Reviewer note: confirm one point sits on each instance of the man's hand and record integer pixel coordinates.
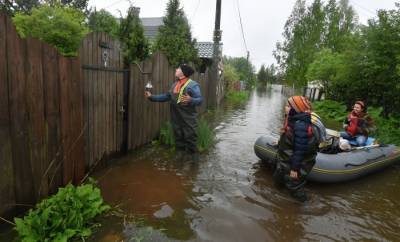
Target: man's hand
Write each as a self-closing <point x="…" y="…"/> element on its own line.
<point x="147" y="94"/>
<point x="185" y="99"/>
<point x="294" y="174"/>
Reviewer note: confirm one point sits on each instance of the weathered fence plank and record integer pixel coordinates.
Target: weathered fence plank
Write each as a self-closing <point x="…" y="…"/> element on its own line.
<point x="35" y="110"/>
<point x="52" y="115"/>
<point x="7" y="198"/>
<point x="16" y="53"/>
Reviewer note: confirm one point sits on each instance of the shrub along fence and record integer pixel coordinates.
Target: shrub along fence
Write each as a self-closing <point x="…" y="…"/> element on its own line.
<point x="59" y="116"/>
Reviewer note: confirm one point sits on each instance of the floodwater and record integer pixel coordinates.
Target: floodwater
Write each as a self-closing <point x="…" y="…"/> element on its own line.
<point x="229" y="195"/>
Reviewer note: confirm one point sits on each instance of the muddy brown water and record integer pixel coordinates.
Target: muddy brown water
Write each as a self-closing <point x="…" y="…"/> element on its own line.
<point x="229" y="195"/>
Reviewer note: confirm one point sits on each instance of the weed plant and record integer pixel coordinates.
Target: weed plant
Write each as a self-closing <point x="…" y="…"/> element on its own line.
<point x="65" y="216"/>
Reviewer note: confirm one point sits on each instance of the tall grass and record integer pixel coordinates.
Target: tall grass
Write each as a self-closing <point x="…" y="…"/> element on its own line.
<point x="167" y="134"/>
<point x="205" y="136"/>
<point x="237" y="97"/>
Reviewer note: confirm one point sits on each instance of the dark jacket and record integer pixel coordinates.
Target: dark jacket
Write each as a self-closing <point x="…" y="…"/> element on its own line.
<point x="297" y="146"/>
<point x="193" y="89"/>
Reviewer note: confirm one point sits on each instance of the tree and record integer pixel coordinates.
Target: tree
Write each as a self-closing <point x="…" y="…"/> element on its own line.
<point x="383" y="59"/>
<point x="272" y="75"/>
<point x="11" y="7"/>
<point x="103" y="21"/>
<point x="62" y="27"/>
<point x="175" y="38"/>
<point x="244" y="69"/>
<point x="262" y="75"/>
<point x="25" y="6"/>
<point x="81" y="5"/>
<point x="230" y="76"/>
<point x="341" y="21"/>
<point x="302" y="39"/>
<point x="134" y="45"/>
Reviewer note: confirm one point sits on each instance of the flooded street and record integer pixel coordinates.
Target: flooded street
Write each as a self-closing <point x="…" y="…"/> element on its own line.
<point x="230" y="196"/>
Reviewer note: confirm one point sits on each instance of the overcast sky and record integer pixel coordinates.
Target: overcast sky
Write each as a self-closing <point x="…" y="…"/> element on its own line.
<point x="263" y="21"/>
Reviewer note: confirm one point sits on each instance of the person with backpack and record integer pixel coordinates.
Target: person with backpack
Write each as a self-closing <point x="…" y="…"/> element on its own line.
<point x="298" y="146"/>
<point x="184" y="96"/>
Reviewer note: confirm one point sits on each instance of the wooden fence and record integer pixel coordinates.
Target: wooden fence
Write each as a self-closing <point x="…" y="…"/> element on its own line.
<point x="40" y="119"/>
<point x="59" y="116"/>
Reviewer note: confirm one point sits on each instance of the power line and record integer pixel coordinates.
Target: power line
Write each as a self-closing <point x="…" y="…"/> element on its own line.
<point x="195" y="11"/>
<point x="116" y="2"/>
<point x="241" y="26"/>
<point x="364" y="8"/>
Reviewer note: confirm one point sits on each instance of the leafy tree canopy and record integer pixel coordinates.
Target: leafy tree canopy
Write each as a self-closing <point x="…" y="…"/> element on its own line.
<point x="103" y="21"/>
<point x="134" y="45"/>
<point x="62" y="27"/>
<point x="175" y="38"/>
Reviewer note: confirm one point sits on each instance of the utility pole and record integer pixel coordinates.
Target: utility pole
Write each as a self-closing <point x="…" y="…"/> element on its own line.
<point x="216" y="55"/>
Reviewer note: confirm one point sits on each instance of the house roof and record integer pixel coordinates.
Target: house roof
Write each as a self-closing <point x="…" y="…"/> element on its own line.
<point x="151" y="26"/>
<point x="206" y="49"/>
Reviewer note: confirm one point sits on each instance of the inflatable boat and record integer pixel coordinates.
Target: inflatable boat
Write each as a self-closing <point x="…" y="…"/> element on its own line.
<point x="340" y="167"/>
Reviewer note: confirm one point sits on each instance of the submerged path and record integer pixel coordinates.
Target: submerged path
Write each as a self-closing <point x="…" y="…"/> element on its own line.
<point x="229" y="195"/>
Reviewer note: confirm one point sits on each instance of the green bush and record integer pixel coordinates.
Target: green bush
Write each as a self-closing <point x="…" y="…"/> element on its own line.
<point x="63" y="216"/>
<point x="205" y="136"/>
<point x="330" y="109"/>
<point x="237" y="97"/>
<point x="62" y="27"/>
<point x="333" y="113"/>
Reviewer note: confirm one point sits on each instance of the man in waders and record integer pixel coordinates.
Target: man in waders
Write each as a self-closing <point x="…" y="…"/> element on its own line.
<point x="184" y="95"/>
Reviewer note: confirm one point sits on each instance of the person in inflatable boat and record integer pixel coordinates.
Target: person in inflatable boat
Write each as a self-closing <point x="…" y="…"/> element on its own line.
<point x="298" y="146"/>
<point x="357" y="125"/>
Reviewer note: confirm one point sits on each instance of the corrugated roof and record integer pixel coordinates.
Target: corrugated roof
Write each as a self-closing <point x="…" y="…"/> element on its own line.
<point x="151" y="26"/>
<point x="206" y="49"/>
<point x="153" y="21"/>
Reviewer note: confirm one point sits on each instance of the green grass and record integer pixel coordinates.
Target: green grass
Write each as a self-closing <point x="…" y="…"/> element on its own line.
<point x="237" y="97"/>
<point x="205" y="135"/>
<point x="167" y="135"/>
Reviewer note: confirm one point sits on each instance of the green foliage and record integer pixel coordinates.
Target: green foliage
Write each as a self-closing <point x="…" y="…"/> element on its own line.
<point x="307" y="31"/>
<point x="167" y="134"/>
<point x="387" y="129"/>
<point x="103" y="21"/>
<point x="134" y="45"/>
<point x="13" y="7"/>
<point x="243" y="68"/>
<point x="80" y="5"/>
<point x="230" y="76"/>
<point x="174" y="38"/>
<point x="65" y="215"/>
<point x="26" y="6"/>
<point x="205" y="136"/>
<point x="237" y="97"/>
<point x="62" y="27"/>
<point x="330" y="109"/>
<point x="262" y="75"/>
